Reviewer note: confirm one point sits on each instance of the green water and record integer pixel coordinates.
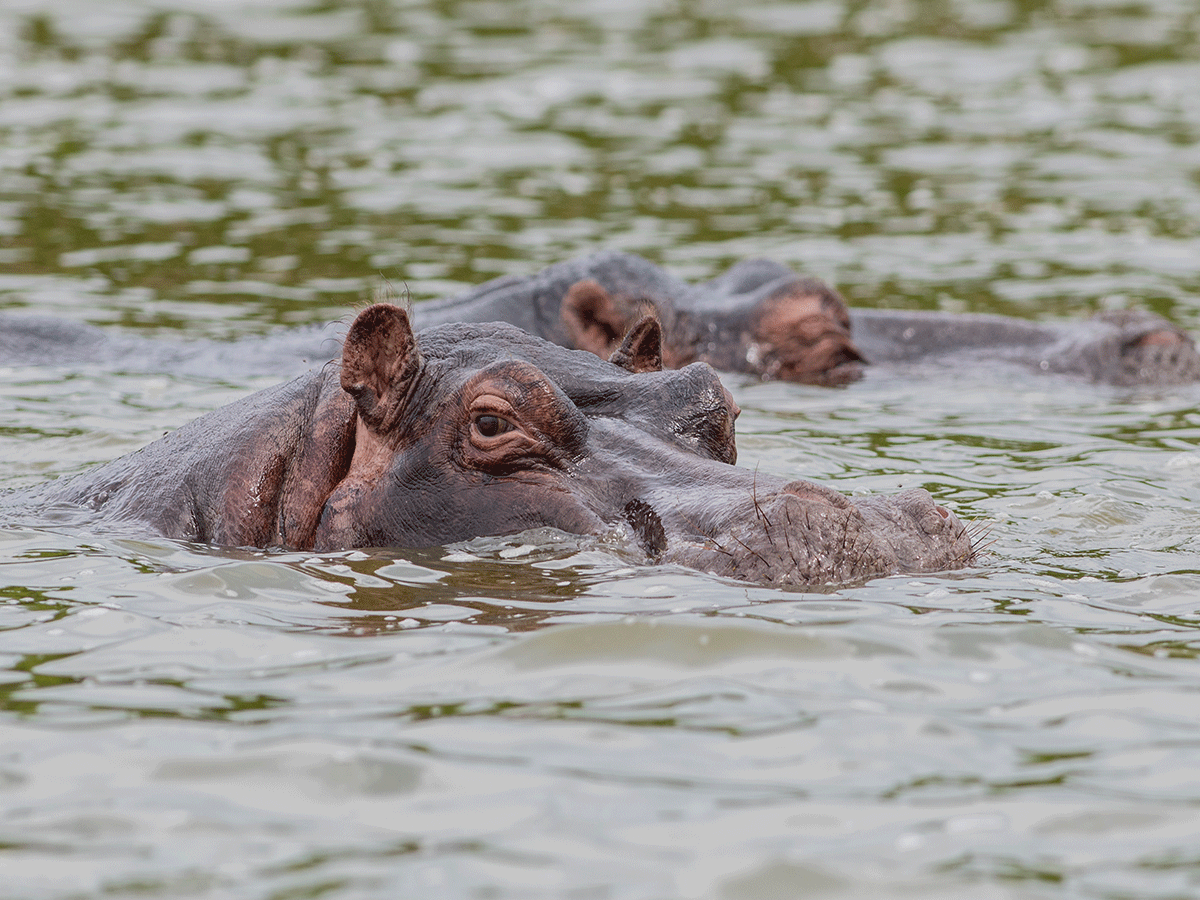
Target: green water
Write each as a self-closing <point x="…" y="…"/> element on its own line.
<point x="535" y="716"/>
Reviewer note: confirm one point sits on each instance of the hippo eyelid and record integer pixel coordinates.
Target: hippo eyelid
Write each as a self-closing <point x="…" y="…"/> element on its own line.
<point x="495" y="406"/>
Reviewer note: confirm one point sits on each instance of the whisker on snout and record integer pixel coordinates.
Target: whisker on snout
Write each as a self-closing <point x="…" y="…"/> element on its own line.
<point x="976" y="534"/>
<point x="758" y="511"/>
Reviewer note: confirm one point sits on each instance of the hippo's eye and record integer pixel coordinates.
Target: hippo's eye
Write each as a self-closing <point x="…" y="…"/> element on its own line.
<point x="490" y="426"/>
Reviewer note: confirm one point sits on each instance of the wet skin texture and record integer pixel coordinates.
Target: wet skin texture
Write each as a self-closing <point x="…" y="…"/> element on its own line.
<point x="758" y="318"/>
<point x="470" y="430"/>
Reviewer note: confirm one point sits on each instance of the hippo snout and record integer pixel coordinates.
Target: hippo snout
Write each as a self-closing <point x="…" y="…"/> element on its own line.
<point x="923" y="536"/>
<point x="804" y="533"/>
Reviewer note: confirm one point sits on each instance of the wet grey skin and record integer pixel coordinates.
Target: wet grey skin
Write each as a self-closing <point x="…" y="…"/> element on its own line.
<point x="468" y="430"/>
<point x="759" y="318"/>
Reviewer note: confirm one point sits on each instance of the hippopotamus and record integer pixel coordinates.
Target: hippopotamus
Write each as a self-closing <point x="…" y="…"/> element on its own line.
<point x="758" y="318"/>
<point x="465" y="430"/>
<point x="762" y="319"/>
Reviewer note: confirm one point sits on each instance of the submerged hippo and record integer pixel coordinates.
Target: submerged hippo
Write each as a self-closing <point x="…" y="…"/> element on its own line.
<point x="468" y="430"/>
<point x="762" y="318"/>
<point x="758" y="318"/>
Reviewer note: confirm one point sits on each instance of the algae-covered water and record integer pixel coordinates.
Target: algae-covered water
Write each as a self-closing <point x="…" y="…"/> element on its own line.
<point x="541" y="717"/>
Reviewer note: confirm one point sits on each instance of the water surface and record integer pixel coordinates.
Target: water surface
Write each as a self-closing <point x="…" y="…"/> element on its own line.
<point x="540" y="716"/>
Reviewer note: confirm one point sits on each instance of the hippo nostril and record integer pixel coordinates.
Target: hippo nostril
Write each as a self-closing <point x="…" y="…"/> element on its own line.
<point x="943" y="512"/>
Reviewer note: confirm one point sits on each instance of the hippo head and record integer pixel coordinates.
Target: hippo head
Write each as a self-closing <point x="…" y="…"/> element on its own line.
<point x="1131" y="347"/>
<point x="471" y="430"/>
<point x="776" y="326"/>
<point x="790" y="329"/>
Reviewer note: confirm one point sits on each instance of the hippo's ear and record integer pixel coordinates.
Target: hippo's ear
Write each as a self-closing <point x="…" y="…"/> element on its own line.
<point x="641" y="351"/>
<point x="379" y="362"/>
<point x="594" y="320"/>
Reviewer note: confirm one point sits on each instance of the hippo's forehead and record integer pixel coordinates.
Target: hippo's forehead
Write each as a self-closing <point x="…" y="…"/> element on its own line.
<point x="455" y="352"/>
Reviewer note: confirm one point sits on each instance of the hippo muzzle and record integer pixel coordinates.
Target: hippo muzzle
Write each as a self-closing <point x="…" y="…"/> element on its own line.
<point x="801" y="533"/>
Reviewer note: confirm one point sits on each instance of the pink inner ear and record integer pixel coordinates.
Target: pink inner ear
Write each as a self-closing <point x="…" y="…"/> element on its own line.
<point x="379" y="361"/>
<point x="588" y="300"/>
<point x="641" y="350"/>
<point x="594" y="321"/>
